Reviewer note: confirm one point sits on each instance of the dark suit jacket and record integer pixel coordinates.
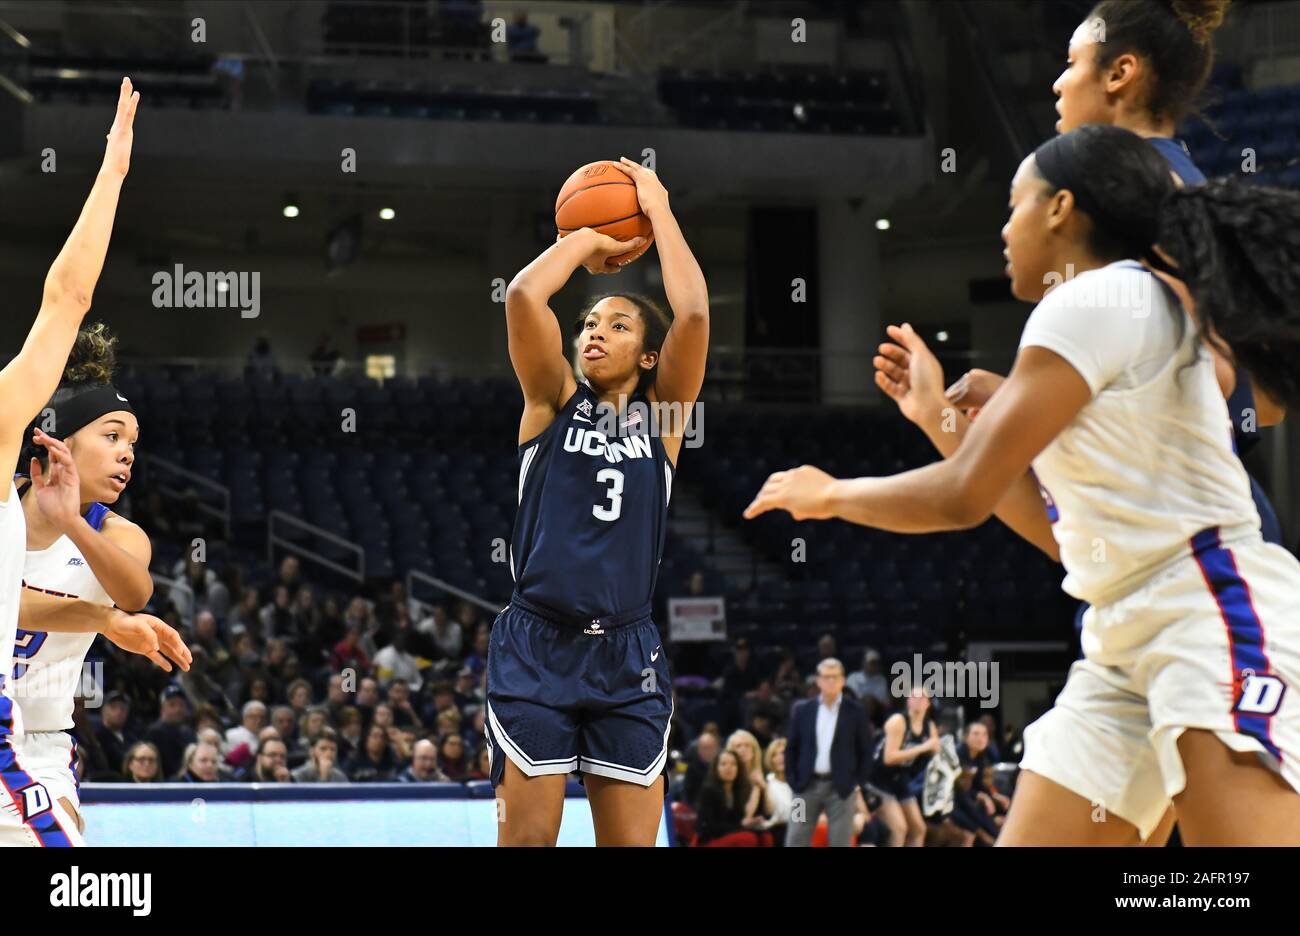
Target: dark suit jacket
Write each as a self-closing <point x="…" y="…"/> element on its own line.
<point x="850" y="750"/>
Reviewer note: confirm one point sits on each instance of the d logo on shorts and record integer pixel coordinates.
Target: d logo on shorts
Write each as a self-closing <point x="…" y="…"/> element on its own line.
<point x="1261" y="694"/>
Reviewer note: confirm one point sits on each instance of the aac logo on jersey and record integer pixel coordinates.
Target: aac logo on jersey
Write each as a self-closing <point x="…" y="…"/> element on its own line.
<point x="584" y="407"/>
<point x="76" y="560"/>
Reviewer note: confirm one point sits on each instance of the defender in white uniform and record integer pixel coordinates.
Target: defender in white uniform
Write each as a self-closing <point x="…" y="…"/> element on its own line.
<point x="1195" y="620"/>
<point x="48" y="670"/>
<point x="29" y="815"/>
<point x="1113" y="417"/>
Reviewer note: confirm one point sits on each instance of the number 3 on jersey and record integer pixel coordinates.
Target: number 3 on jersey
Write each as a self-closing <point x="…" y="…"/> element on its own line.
<point x="614" y="478"/>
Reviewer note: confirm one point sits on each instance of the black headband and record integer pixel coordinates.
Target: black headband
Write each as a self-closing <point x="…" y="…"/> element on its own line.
<point x="1060" y="163"/>
<point x="83" y="407"/>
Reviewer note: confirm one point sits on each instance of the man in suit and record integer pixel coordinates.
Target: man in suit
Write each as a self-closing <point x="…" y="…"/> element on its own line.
<point x="827" y="757"/>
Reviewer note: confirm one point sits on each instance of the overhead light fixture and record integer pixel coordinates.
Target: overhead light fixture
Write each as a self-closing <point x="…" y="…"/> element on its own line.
<point x="387" y="214"/>
<point x="290" y="211"/>
<point x="882" y="224"/>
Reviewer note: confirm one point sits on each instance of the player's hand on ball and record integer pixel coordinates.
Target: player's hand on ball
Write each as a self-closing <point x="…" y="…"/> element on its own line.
<point x="117" y="154"/>
<point x="909" y="373"/>
<point x="803" y="491"/>
<point x="974" y="389"/>
<point x="58" y="488"/>
<point x="603" y="248"/>
<point x="650" y="192"/>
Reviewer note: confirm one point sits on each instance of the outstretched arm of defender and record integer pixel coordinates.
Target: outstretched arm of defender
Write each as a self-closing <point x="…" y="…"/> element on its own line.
<point x="1039" y="400"/>
<point x="136" y="633"/>
<point x="31" y="377"/>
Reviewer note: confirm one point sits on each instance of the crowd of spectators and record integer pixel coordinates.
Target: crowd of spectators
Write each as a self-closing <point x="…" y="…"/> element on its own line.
<point x="291" y="683"/>
<point x="289" y="686"/>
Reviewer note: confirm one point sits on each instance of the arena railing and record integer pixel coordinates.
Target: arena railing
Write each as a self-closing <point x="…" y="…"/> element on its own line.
<point x="304" y="552"/>
<point x="415" y="575"/>
<point x="167" y="469"/>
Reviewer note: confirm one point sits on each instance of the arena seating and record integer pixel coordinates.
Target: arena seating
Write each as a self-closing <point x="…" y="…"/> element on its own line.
<point x="1267" y="121"/>
<point x="428" y="481"/>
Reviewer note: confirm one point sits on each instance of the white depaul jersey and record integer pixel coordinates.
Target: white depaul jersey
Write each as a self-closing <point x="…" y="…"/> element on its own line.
<point x="13" y="552"/>
<point x="49" y="666"/>
<point x="1149" y="461"/>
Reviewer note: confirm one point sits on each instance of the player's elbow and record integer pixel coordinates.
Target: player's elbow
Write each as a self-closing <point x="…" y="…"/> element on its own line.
<point x="134" y="598"/>
<point x="66" y="292"/>
<point x="520" y="298"/>
<point x="965" y="509"/>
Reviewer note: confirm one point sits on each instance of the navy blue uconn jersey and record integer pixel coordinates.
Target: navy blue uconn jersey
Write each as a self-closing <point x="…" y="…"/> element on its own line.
<point x="594" y="488"/>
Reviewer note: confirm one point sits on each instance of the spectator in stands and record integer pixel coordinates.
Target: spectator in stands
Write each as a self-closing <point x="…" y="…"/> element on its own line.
<point x="272" y="764"/>
<point x="367" y="697"/>
<point x="261" y="360"/>
<point x="114" y="732"/>
<point x="870" y="683"/>
<point x="375" y="761"/>
<point x="172" y="733"/>
<point x="787" y="683"/>
<point x="257" y="689"/>
<point x="201" y="588"/>
<point x="828" y="757"/>
<point x="276" y="615"/>
<point x="764" y="713"/>
<point x="245" y="613"/>
<point x="321" y="768"/>
<point x="778" y="796"/>
<point x="229" y="70"/>
<point x="290" y="576"/>
<point x="207" y="635"/>
<point x="482" y="769"/>
<point x="383" y="716"/>
<point x="285" y="722"/>
<point x="452" y="759"/>
<point x="313" y="723"/>
<point x="740" y="676"/>
<point x="828" y="648"/>
<point x="200" y="764"/>
<point x="399" y="700"/>
<point x="424" y="764"/>
<point x="477" y="661"/>
<point x="470" y="619"/>
<point x="977" y="759"/>
<point x="298" y="696"/>
<point x="991" y="727"/>
<point x="350" y="731"/>
<point x="348" y="653"/>
<point x="467" y="689"/>
<point x="395" y="661"/>
<point x="443" y="631"/>
<point x="143" y="763"/>
<point x="521" y="40"/>
<point x="325" y="357"/>
<point x="336" y="698"/>
<point x="312" y="638"/>
<point x="202" y="691"/>
<point x="727" y="815"/>
<point x="747" y="748"/>
<point x="699" y="763"/>
<point x="242" y="740"/>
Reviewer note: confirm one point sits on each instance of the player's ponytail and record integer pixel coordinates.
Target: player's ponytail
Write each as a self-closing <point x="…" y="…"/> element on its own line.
<point x="1237" y="247"/>
<point x="90" y="366"/>
<point x="93" y="358"/>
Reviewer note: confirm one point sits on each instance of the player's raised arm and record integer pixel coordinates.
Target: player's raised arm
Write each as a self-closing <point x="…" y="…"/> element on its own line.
<point x="1041" y="397"/>
<point x="536" y="345"/>
<point x="910" y="375"/>
<point x="27" y="382"/>
<point x="680" y="372"/>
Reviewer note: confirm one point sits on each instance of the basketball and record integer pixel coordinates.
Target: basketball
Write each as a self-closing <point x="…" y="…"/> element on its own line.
<point x="602" y="196"/>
